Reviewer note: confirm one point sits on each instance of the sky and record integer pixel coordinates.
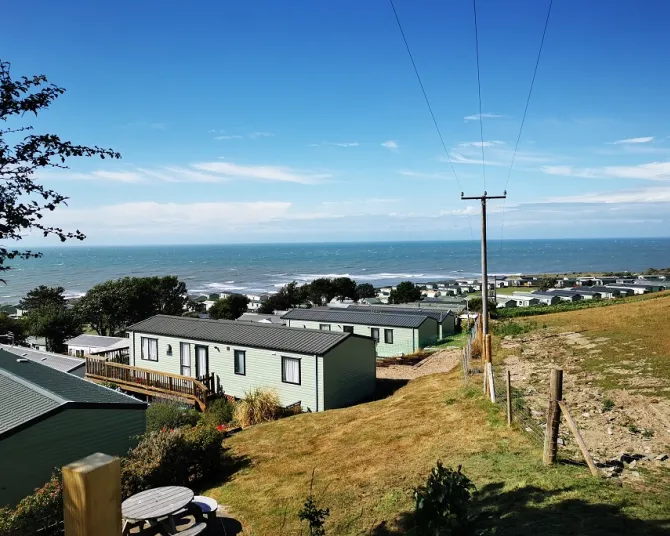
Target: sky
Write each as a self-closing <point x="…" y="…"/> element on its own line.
<point x="300" y="121"/>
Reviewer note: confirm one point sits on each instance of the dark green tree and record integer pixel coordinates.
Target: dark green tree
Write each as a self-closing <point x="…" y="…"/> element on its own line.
<point x="405" y="292"/>
<point x="288" y="297"/>
<point x="43" y="296"/>
<point x="230" y="308"/>
<point x="23" y="201"/>
<point x="547" y="282"/>
<point x="321" y="291"/>
<point x="12" y="330"/>
<point x="111" y="306"/>
<point x="55" y="324"/>
<point x="475" y="306"/>
<point x="365" y="290"/>
<point x="345" y="288"/>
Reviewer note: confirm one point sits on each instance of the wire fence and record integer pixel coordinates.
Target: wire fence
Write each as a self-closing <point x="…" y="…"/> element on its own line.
<point x="468" y="349"/>
<point x="531" y="421"/>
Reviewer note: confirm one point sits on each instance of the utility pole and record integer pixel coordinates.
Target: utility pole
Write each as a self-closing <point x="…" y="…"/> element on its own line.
<point x="485" y="273"/>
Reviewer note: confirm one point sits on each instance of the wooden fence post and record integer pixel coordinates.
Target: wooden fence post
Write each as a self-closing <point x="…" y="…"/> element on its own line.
<point x="553" y="417"/>
<point x="509" y="399"/>
<point x="580" y="441"/>
<point x="489" y="352"/>
<point x="92" y="496"/>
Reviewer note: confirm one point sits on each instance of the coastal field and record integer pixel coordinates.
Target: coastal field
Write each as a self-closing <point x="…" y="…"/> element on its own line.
<point x="616" y="363"/>
<point x="367" y="459"/>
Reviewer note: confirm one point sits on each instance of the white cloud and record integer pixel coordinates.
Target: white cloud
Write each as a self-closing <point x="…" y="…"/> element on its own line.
<point x="203" y="172"/>
<point x="228" y="137"/>
<point x="128" y="177"/>
<point x="480" y="144"/>
<point x="255" y="135"/>
<point x="653" y="171"/>
<point x="477" y="117"/>
<point x="391" y="145"/>
<point x="657" y="194"/>
<point x="334" y="144"/>
<point x="646" y="139"/>
<point x="270" y="173"/>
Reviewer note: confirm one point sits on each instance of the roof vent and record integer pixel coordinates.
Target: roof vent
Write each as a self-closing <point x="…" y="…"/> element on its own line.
<point x="43" y="359"/>
<point x="24" y="354"/>
<point x="22" y="360"/>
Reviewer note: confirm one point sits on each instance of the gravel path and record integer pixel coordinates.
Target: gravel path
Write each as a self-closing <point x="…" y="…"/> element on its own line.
<point x="442" y="361"/>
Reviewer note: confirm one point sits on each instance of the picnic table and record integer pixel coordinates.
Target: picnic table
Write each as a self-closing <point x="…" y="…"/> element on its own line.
<point x="152" y="504"/>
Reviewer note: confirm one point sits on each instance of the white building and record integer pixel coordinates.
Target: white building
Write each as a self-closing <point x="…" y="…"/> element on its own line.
<point x="84" y="345"/>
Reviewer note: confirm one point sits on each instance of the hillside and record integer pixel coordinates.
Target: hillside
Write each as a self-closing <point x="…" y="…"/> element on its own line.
<point x="368" y="458"/>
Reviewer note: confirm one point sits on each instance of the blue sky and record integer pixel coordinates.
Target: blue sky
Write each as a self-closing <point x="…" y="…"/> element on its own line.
<point x="263" y="121"/>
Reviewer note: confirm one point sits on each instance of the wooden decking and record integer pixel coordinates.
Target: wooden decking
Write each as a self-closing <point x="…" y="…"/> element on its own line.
<point x="151" y="382"/>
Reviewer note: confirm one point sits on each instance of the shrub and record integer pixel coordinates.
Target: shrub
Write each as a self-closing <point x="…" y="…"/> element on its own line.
<point x="476" y="348"/>
<point x="259" y="405"/>
<point x="220" y="411"/>
<point x="509" y="327"/>
<point x="40" y="512"/>
<point x="178" y="457"/>
<point x="608" y="404"/>
<point x="315" y="516"/>
<point x="170" y="415"/>
<point x="441" y="505"/>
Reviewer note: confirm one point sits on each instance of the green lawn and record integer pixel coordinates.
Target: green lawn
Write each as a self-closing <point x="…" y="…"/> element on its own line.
<point x="367" y="459"/>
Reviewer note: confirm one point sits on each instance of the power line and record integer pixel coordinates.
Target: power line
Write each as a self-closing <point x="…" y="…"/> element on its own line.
<point x="530" y="91"/>
<point x="430" y="108"/>
<point x="479" y="90"/>
<point x="523" y="118"/>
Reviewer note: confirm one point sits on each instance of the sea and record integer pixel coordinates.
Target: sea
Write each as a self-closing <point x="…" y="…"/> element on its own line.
<point x="258" y="268"/>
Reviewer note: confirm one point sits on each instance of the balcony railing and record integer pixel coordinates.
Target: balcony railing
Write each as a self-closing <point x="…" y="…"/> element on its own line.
<point x="151" y="382"/>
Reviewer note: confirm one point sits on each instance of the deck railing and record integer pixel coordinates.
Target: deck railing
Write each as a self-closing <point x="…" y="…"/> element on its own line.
<point x="148" y="381"/>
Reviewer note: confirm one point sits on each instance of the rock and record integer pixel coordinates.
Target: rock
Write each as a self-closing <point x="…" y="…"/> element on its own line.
<point x="609" y="430"/>
<point x="661" y="457"/>
<point x="626" y="458"/>
<point x="528" y="429"/>
<point x="508" y="338"/>
<point x="560" y="441"/>
<point x="632" y="464"/>
<point x="587" y="415"/>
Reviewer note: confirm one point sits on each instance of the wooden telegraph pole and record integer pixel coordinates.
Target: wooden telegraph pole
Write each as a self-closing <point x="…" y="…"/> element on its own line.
<point x="486" y="337"/>
<point x="553" y="417"/>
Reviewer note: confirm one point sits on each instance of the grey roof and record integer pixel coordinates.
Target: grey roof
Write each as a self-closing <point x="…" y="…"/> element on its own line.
<point x="437" y="314"/>
<point x="254" y="317"/>
<point x="64" y="363"/>
<point x="29" y="390"/>
<point x="357" y="317"/>
<point x="253" y="334"/>
<point x="598" y="288"/>
<point x="120" y="345"/>
<point x="563" y="292"/>
<point x="99" y="341"/>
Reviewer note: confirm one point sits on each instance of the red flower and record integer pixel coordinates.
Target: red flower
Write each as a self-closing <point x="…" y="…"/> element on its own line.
<point x="221" y="427"/>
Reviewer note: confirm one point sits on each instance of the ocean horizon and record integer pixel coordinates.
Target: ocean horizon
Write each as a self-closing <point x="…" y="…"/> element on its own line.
<point x="257" y="268"/>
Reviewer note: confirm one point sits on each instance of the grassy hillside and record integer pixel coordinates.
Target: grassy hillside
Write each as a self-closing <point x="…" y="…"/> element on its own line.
<point x="368" y="458"/>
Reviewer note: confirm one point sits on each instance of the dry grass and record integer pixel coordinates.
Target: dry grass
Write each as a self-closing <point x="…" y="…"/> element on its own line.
<point x="637" y="331"/>
<point x="369" y="457"/>
<point x="258" y="406"/>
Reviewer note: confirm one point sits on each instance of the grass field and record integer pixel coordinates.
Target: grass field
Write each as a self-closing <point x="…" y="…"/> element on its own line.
<point x="368" y="458"/>
<point x="638" y="338"/>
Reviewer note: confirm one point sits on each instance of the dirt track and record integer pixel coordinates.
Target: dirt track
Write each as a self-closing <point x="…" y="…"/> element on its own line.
<point x="442" y="361"/>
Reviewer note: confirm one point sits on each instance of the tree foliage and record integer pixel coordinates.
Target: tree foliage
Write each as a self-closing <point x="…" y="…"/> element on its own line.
<point x="112" y="306"/>
<point x="13" y="326"/>
<point x="405" y="292"/>
<point x="365" y="290"/>
<point x="43" y="296"/>
<point x="345" y="288"/>
<point x="288" y="297"/>
<point x="55" y="324"/>
<point x="547" y="282"/>
<point x="475" y="306"/>
<point x="230" y="308"/>
<point x="23" y="201"/>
